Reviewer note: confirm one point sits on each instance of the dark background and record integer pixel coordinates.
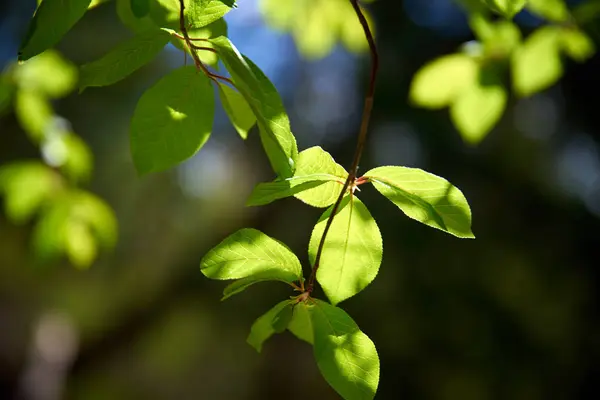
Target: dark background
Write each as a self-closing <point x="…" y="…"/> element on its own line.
<point x="510" y="315"/>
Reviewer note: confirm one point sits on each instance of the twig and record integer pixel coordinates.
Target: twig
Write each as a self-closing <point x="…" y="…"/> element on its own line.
<point x="360" y="143"/>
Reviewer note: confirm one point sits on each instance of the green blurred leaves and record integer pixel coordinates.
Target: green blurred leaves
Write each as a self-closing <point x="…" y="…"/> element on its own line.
<point x="424" y="197"/>
<point x="352" y="251"/>
<point x="172" y="120"/>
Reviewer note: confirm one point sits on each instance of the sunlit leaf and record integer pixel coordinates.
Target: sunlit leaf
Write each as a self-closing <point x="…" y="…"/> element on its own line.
<point x="300" y="324"/>
<point x="80" y="244"/>
<point x="48" y="74"/>
<point x="172" y="120"/>
<point x="313" y="161"/>
<point x="97" y="215"/>
<point x="124" y="59"/>
<point x="237" y="108"/>
<point x="424" y="197"/>
<point x="269" y="323"/>
<point x="78" y="162"/>
<point x="198" y="13"/>
<point x="553" y="10"/>
<point x="477" y="110"/>
<point x="438" y="83"/>
<point x="262" y="97"/>
<point x="253" y="256"/>
<point x="346" y="357"/>
<point x="352" y="251"/>
<point x="26" y="186"/>
<point x="536" y="65"/>
<point x="215" y="29"/>
<point x="265" y="193"/>
<point x="577" y="45"/>
<point x="52" y="20"/>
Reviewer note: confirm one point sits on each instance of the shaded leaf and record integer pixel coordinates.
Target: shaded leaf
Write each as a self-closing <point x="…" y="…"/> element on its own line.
<point x="140" y="8"/>
<point x="352" y="251"/>
<point x="51" y="21"/>
<point x="439" y="82"/>
<point x="508" y="8"/>
<point x="424" y="197"/>
<point x="536" y="65"/>
<point x="346" y="357"/>
<point x="124" y="59"/>
<point x="268" y="324"/>
<point x="553" y="10"/>
<point x="172" y="120"/>
<point x="301" y="324"/>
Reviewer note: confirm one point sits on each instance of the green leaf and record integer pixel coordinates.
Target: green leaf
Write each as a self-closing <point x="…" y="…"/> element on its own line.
<point x="508" y="8"/>
<point x="6" y="94"/>
<point x="26" y="186"/>
<point x="269" y="323"/>
<point x="317" y="181"/>
<point x="262" y="97"/>
<point x="536" y="65"/>
<point x="78" y="161"/>
<point x="313" y="161"/>
<point x="552" y="10"/>
<point x="352" y="251"/>
<point x="346" y="357"/>
<point x="129" y="19"/>
<point x="237" y="108"/>
<point x="124" y="59"/>
<point x="172" y="120"/>
<point x="215" y="29"/>
<point x="80" y="244"/>
<point x="301" y="324"/>
<point x="34" y="113"/>
<point x="96" y="214"/>
<point x="34" y="75"/>
<point x="477" y="110"/>
<point x="198" y="13"/>
<point x="576" y="44"/>
<point x="424" y="197"/>
<point x="265" y="193"/>
<point x="52" y="20"/>
<point x="438" y="83"/>
<point x="140" y="8"/>
<point x="253" y="256"/>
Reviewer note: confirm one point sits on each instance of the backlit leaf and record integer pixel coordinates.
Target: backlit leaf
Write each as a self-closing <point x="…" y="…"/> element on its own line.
<point x="438" y="83"/>
<point x="172" y="120"/>
<point x="252" y="255"/>
<point x="301" y="324"/>
<point x="124" y="59"/>
<point x="553" y="10"/>
<point x="352" y="251"/>
<point x="48" y="74"/>
<point x="262" y="97"/>
<point x="424" y="197"/>
<point x="34" y="112"/>
<point x="237" y="108"/>
<point x="269" y="323"/>
<point x="576" y="44"/>
<point x="52" y="20"/>
<point x="536" y="65"/>
<point x="508" y="8"/>
<point x="198" y="13"/>
<point x="346" y="357"/>
<point x="265" y="193"/>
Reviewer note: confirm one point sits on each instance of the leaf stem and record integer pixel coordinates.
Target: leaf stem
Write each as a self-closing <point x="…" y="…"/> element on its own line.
<point x="360" y="142"/>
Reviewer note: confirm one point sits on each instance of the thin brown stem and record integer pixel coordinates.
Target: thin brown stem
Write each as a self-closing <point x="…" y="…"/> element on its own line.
<point x="360" y="142"/>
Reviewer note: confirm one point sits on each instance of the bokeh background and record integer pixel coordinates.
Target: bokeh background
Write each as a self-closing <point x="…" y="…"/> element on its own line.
<point x="513" y="314"/>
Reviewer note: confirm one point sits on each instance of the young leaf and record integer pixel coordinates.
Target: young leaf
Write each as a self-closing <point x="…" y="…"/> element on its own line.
<point x="438" y="83"/>
<point x="215" y="29"/>
<point x="346" y="357"/>
<point x="237" y="108"/>
<point x="250" y="254"/>
<point x="273" y="321"/>
<point x="124" y="59"/>
<point x="140" y="8"/>
<point x="52" y="20"/>
<point x="508" y="8"/>
<point x="576" y="44"/>
<point x="552" y="10"/>
<point x="172" y="120"/>
<point x="314" y="161"/>
<point x="352" y="251"/>
<point x="424" y="197"/>
<point x="265" y="193"/>
<point x="477" y="110"/>
<point x="300" y="324"/>
<point x="536" y="65"/>
<point x="262" y="97"/>
<point x="198" y="13"/>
